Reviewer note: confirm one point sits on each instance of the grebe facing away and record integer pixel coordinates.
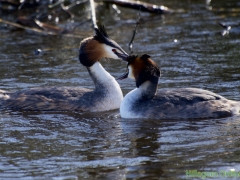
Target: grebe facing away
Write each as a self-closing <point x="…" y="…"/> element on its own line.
<point x="180" y="103"/>
<point x="107" y="94"/>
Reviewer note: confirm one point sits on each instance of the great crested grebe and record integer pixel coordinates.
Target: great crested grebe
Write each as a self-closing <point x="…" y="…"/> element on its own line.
<point x="107" y="94"/>
<point x="180" y="103"/>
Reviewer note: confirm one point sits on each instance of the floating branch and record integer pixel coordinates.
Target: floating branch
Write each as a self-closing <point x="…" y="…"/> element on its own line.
<point x="138" y="5"/>
<point x="55" y="31"/>
<point x="226" y="29"/>
<point x="50" y="28"/>
<point x="20" y="26"/>
<point x="56" y="4"/>
<point x="233" y="26"/>
<point x="34" y="23"/>
<point x="66" y="9"/>
<point x="69" y="6"/>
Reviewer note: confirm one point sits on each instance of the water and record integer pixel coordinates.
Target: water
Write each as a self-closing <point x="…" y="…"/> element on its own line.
<point x="191" y="52"/>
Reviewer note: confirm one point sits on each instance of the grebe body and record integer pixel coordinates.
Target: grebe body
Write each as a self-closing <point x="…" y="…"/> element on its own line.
<point x="179" y="103"/>
<point x="107" y="94"/>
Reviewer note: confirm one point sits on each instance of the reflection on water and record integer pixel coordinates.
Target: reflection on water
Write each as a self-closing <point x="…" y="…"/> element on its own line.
<point x="191" y="51"/>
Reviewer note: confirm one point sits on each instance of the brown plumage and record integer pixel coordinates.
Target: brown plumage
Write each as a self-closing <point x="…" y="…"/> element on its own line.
<point x="93" y="50"/>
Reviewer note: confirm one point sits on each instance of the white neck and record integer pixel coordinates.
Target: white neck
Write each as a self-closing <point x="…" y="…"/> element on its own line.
<point x="128" y="102"/>
<point x="146" y="91"/>
<point x="107" y="85"/>
<point x="99" y="74"/>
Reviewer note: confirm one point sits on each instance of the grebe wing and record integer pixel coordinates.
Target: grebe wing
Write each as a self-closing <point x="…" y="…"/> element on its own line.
<point x="186" y="95"/>
<point x="46" y="99"/>
<point x="188" y="103"/>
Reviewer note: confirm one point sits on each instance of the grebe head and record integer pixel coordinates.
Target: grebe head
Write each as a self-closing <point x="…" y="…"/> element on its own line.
<point x="99" y="46"/>
<point x="141" y="69"/>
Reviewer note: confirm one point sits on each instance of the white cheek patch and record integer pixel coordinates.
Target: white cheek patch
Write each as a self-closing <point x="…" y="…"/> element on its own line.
<point x="109" y="53"/>
<point x="130" y="72"/>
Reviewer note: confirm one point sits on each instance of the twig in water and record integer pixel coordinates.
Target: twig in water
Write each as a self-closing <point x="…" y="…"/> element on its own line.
<point x="39" y="30"/>
<point x="147" y="7"/>
<point x="56" y="4"/>
<point x="226" y="29"/>
<point x="134" y="33"/>
<point x="93" y="13"/>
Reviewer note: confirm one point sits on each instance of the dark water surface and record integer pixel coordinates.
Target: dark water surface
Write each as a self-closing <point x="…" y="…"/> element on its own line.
<point x="191" y="51"/>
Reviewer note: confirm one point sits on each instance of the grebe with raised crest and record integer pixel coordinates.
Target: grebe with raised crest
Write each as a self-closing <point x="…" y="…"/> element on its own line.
<point x="107" y="94"/>
<point x="178" y="103"/>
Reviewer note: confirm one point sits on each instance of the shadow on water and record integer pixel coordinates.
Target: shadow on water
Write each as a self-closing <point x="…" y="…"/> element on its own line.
<point x="191" y="51"/>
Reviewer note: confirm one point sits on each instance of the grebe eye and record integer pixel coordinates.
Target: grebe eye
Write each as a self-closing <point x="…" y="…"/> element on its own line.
<point x="114" y="50"/>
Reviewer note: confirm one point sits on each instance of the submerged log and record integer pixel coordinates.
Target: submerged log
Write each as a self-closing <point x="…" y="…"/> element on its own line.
<point x="45" y="29"/>
<point x="142" y="6"/>
<point x="34" y="23"/>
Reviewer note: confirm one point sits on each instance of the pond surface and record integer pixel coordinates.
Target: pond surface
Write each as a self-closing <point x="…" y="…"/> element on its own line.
<point x="191" y="52"/>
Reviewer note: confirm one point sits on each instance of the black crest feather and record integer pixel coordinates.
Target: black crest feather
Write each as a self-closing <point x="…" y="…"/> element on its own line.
<point x="103" y="30"/>
<point x="101" y="34"/>
<point x="145" y="57"/>
<point x="102" y="37"/>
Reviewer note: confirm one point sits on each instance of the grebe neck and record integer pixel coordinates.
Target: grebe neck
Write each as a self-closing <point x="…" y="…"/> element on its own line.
<point x="105" y="84"/>
<point x="146" y="91"/>
<point x="99" y="75"/>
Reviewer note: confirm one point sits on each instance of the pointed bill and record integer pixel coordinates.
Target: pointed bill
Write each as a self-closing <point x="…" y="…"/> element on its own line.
<point x="124" y="76"/>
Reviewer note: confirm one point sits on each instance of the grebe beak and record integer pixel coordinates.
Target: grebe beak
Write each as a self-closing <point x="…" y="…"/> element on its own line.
<point x="124" y="76"/>
<point x="122" y="55"/>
